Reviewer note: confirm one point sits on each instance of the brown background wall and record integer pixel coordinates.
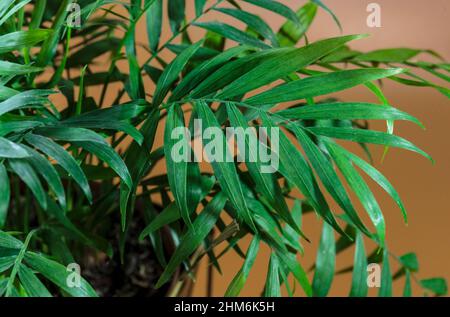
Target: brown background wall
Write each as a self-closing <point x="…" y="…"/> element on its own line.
<point x="424" y="188"/>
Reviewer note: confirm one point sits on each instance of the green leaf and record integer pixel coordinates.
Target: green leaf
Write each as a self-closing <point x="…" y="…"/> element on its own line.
<point x="199" y="6"/>
<point x="202" y="54"/>
<point x="58" y="274"/>
<point x="63" y="158"/>
<point x="347" y="111"/>
<point x="6" y="262"/>
<point x="177" y="162"/>
<point x="176" y="14"/>
<point x="292" y="236"/>
<point x="342" y="54"/>
<point x="9" y="242"/>
<point x="134" y="84"/>
<point x="106" y="123"/>
<point x="289" y="260"/>
<point x="238" y="282"/>
<point x="359" y="186"/>
<point x="153" y="72"/>
<point x="8" y="69"/>
<point x="386" y="277"/>
<point x="6" y="92"/>
<point x="138" y="161"/>
<point x="232" y="33"/>
<point x="115" y="113"/>
<point x="359" y="278"/>
<point x="17" y="262"/>
<point x="272" y="287"/>
<point x="201" y="72"/>
<point x="59" y="23"/>
<point x="433" y="71"/>
<point x="22" y="39"/>
<point x="320" y="85"/>
<point x="328" y="175"/>
<point x="4" y="6"/>
<point x="27" y="174"/>
<point x="10" y="149"/>
<point x="172" y="72"/>
<point x="214" y="42"/>
<point x="232" y="70"/>
<point x="203" y="224"/>
<point x="70" y="134"/>
<point x="23" y="99"/>
<point x="224" y="170"/>
<point x="276" y="67"/>
<point x="253" y="21"/>
<point x="56" y="212"/>
<point x="344" y="242"/>
<point x="368" y="136"/>
<point x="437" y="285"/>
<point x="107" y="154"/>
<point x="48" y="172"/>
<point x="295" y="168"/>
<point x="17" y="126"/>
<point x="290" y="32"/>
<point x="392" y="55"/>
<point x="421" y="82"/>
<point x="265" y="182"/>
<point x="32" y="285"/>
<point x="198" y="190"/>
<point x="13" y="10"/>
<point x="169" y="214"/>
<point x="38" y="13"/>
<point x="325" y="262"/>
<point x="407" y="290"/>
<point x="410" y="262"/>
<point x="266" y="221"/>
<point x="5" y="193"/>
<point x="154" y="23"/>
<point x="276" y="7"/>
<point x="323" y="6"/>
<point x="379" y="178"/>
<point x="156" y="238"/>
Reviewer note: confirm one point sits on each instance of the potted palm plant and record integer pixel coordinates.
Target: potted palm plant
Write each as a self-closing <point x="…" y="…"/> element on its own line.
<point x="78" y="187"/>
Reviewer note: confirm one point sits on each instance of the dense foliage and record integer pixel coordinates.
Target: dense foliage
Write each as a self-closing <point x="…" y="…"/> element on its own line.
<point x="71" y="172"/>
